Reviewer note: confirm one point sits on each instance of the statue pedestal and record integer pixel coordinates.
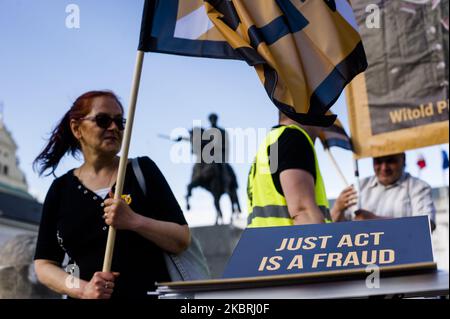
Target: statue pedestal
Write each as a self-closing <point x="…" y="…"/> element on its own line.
<point x="218" y="243"/>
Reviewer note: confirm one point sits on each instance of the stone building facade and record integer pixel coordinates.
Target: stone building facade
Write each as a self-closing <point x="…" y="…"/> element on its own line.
<point x="19" y="219"/>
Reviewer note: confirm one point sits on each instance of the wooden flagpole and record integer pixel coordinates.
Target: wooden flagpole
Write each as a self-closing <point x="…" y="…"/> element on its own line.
<point x="338" y="169"/>
<point x="124" y="158"/>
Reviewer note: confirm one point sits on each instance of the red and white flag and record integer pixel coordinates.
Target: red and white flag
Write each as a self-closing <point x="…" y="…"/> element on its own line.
<point x="421" y="162"/>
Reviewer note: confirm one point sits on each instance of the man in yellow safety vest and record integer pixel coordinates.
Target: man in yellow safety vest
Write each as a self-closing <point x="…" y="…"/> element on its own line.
<point x="285" y="186"/>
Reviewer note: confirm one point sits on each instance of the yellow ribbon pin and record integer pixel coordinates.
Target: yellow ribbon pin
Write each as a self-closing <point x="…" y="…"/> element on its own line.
<point x="127" y="198"/>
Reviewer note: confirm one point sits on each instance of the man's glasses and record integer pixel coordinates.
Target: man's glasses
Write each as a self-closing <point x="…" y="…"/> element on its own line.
<point x="104" y="121"/>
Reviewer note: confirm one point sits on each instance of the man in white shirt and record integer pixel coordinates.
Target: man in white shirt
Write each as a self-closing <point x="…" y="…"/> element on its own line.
<point x="391" y="193"/>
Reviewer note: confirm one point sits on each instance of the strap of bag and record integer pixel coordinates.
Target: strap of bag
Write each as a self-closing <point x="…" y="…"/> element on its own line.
<point x="193" y="258"/>
<point x="168" y="257"/>
<point x="139" y="175"/>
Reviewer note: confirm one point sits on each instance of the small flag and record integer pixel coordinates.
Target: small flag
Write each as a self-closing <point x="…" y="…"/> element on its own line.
<point x="421" y="162"/>
<point x="445" y="163"/>
<point x="335" y="135"/>
<point x="304" y="52"/>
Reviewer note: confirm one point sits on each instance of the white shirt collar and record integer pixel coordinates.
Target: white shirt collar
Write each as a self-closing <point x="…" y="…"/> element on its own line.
<point x="399" y="182"/>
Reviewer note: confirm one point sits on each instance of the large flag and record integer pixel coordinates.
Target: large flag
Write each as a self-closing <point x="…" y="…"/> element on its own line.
<point x="304" y="52"/>
<point x="401" y="102"/>
<point x="335" y="136"/>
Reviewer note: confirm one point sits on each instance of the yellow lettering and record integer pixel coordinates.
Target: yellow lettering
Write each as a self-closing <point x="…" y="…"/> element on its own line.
<point x="297" y="246"/>
<point x="352" y="258"/>
<point x="358" y="240"/>
<point x="387" y="256"/>
<point x="310" y="243"/>
<point x="262" y="265"/>
<point x="334" y="258"/>
<point x="324" y="241"/>
<point x="442" y="106"/>
<point x="376" y="238"/>
<point x="317" y="259"/>
<point x="283" y="245"/>
<point x="396" y="116"/>
<point x="364" y="259"/>
<point x="346" y="240"/>
<point x="297" y="262"/>
<point x="274" y="263"/>
<point x="429" y="110"/>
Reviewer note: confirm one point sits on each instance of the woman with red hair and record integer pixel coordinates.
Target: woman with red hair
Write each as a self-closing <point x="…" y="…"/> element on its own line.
<point x="79" y="208"/>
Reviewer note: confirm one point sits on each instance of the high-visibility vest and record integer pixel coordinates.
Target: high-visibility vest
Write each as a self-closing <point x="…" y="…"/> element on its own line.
<point x="266" y="206"/>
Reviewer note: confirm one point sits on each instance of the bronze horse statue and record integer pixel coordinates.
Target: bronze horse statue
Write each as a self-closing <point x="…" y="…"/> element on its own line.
<point x="216" y="178"/>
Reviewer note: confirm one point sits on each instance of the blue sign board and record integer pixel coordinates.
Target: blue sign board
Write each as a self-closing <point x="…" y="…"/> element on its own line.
<point x="329" y="247"/>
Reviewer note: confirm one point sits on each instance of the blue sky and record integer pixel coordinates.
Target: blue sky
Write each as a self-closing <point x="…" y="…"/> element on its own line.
<point x="44" y="66"/>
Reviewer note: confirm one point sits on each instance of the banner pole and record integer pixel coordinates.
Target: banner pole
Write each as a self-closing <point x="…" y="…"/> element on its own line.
<point x="124" y="158"/>
<point x="445" y="188"/>
<point x="336" y="166"/>
<point x="358" y="182"/>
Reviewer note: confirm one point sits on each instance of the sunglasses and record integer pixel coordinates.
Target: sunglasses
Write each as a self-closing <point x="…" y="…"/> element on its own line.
<point x="104" y="121"/>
